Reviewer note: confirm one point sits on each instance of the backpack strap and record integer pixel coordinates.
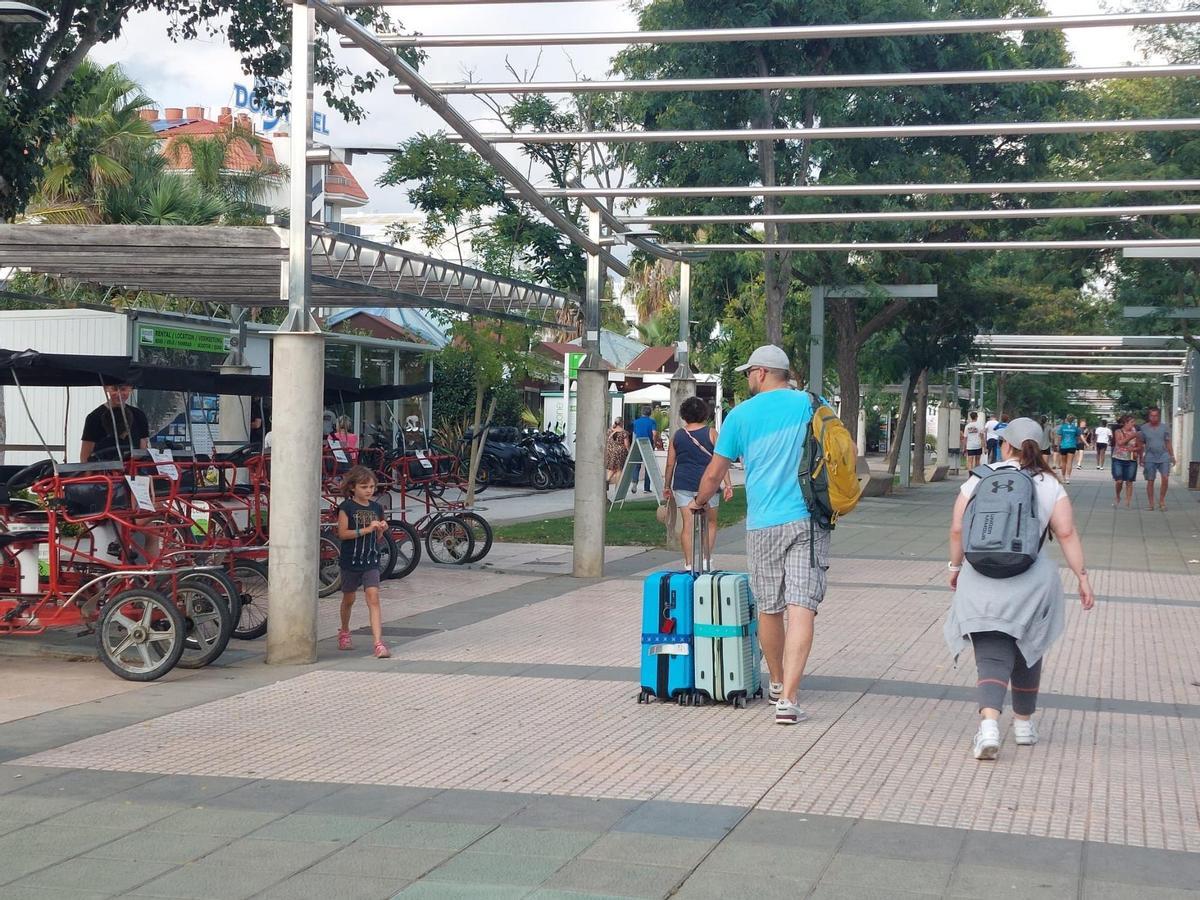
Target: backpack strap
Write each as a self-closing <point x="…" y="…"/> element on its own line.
<point x="981" y="471"/>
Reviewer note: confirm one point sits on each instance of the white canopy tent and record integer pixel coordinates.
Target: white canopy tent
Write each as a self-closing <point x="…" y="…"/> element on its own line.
<point x="654" y="393"/>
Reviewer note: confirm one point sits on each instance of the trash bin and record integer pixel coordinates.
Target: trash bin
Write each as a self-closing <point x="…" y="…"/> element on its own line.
<point x="1194" y="476"/>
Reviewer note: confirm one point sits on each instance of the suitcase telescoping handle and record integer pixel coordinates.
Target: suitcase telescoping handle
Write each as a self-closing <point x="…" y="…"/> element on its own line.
<point x="697" y="541"/>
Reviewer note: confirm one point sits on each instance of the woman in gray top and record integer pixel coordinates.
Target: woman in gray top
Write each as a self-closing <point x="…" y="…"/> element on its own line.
<point x="1011" y="622"/>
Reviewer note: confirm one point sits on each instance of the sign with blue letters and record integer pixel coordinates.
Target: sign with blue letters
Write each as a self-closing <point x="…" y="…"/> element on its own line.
<point x="243" y="98"/>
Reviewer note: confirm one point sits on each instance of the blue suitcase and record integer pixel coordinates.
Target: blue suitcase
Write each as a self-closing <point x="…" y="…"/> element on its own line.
<point x="725" y="648"/>
<point x="667" y="671"/>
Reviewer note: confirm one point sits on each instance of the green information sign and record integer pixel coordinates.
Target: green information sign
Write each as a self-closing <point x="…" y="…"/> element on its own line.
<point x="574" y="361"/>
<point x="182" y="339"/>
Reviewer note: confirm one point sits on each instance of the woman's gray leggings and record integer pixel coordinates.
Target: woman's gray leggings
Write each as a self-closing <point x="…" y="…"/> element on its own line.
<point x="1000" y="662"/>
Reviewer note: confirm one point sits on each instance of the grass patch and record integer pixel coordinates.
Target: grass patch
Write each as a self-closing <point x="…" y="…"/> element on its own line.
<point x="633" y="525"/>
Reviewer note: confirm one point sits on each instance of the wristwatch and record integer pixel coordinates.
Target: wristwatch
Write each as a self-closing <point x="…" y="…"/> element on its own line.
<point x="953" y="568"/>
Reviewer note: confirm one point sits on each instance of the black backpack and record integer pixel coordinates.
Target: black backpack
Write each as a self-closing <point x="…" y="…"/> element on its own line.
<point x="1001" y="532"/>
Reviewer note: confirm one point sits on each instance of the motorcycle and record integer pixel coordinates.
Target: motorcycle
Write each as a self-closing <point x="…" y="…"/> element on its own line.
<point x="511" y="458"/>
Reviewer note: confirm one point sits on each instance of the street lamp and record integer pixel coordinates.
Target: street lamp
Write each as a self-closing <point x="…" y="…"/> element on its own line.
<point x="13" y="12"/>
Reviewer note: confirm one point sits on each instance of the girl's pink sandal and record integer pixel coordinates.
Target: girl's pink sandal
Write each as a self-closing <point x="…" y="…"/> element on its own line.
<point x="381" y="650"/>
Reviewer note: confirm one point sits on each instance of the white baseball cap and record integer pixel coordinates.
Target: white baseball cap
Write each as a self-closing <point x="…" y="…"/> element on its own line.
<point x="769" y="357"/>
<point x="1021" y="430"/>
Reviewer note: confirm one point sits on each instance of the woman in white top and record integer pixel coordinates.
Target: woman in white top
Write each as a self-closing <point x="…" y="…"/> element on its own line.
<point x="1011" y="622"/>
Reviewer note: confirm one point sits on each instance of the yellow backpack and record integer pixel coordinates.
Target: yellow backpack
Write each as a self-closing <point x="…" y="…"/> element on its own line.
<point x="828" y="467"/>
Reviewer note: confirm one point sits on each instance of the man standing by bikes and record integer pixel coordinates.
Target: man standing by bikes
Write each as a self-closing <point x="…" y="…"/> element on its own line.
<point x="115" y="424"/>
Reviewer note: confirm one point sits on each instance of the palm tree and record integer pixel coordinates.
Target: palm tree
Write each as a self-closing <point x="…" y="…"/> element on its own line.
<point x="211" y="159"/>
<point x="652" y="283"/>
<point x="156" y="196"/>
<point x="660" y="331"/>
<point x="96" y="152"/>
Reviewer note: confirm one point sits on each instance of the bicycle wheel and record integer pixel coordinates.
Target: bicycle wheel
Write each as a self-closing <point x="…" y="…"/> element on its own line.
<point x="140" y="635"/>
<point x="329" y="566"/>
<point x="209" y="624"/>
<point x="387" y="554"/>
<point x="481" y="531"/>
<point x="251" y="578"/>
<point x="449" y="541"/>
<point x="224" y="587"/>
<point x="408" y="547"/>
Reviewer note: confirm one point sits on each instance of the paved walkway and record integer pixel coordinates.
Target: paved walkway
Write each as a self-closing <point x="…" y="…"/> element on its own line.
<point x="500" y="753"/>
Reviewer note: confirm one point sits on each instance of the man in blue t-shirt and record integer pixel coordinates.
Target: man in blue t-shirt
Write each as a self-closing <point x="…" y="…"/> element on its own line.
<point x="787" y="556"/>
<point x="644" y="427"/>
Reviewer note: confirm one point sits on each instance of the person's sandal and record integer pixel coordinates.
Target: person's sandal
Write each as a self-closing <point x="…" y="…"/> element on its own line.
<point x="344" y="642"/>
<point x="381" y="650"/>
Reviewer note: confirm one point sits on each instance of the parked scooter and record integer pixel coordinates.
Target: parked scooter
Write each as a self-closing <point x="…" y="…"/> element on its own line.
<point x="512" y="458"/>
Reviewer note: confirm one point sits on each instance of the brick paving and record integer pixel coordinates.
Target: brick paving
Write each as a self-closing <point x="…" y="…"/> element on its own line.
<point x="501" y="753"/>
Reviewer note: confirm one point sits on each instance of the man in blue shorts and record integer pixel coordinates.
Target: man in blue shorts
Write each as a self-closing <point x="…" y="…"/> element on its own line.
<point x="1158" y="455"/>
<point x="788" y="557"/>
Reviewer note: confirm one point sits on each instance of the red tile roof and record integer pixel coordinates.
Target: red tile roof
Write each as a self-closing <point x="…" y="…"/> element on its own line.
<point x="340" y="180"/>
<point x="379" y="327"/>
<point x="653" y="359"/>
<point x="241" y="155"/>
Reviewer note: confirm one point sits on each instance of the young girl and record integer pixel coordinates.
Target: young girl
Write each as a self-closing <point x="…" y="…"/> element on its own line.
<point x="360" y="520"/>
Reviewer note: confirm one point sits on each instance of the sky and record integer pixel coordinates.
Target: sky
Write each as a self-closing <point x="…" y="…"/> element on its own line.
<point x="203" y="72"/>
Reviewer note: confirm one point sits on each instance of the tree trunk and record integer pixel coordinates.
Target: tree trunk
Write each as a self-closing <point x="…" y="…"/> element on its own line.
<point x="777" y="265"/>
<point x="847" y="362"/>
<point x="920" y="425"/>
<point x="1001" y="378"/>
<point x="481" y="439"/>
<point x="893" y="457"/>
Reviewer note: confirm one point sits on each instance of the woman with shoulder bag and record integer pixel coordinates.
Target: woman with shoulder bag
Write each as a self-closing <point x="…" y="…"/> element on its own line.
<point x="1012" y="621"/>
<point x="688" y="455"/>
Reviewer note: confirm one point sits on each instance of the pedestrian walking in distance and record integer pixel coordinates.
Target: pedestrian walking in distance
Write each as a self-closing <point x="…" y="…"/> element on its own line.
<point x="644" y="426"/>
<point x="1126" y="448"/>
<point x="1104" y="437"/>
<point x="360" y="522"/>
<point x="688" y="455"/>
<point x="1158" y="456"/>
<point x="788" y="555"/>
<point x="1068" y="445"/>
<point x="972" y="440"/>
<point x="1014" y="614"/>
<point x="616" y="451"/>
<point x="993" y="441"/>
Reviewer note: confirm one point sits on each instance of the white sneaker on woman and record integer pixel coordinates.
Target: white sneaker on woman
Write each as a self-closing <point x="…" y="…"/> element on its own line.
<point x="987" y="739"/>
<point x="1025" y="732"/>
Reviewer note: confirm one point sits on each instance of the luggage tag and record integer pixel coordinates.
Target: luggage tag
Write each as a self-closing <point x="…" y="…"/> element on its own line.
<point x="338" y="453"/>
<point x="424" y="460"/>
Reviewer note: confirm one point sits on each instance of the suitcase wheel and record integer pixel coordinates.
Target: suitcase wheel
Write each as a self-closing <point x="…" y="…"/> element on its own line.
<point x="739" y="702"/>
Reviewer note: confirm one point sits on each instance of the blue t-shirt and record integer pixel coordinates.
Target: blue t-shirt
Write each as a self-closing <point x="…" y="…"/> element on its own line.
<point x="644" y="427"/>
<point x="1069" y="436"/>
<point x="767" y="432"/>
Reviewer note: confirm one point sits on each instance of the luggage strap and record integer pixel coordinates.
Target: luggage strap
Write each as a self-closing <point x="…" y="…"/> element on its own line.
<point x="720" y="631"/>
<point x="666" y="638"/>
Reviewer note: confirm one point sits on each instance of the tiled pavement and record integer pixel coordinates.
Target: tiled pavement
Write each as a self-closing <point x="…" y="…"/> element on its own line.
<point x="500" y="753"/>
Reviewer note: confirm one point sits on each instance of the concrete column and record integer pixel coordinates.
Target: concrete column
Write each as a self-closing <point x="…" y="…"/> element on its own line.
<point x="720" y="410"/>
<point x="683" y="382"/>
<point x="298" y="386"/>
<point x="591" y="407"/>
<point x="816" y="345"/>
<point x="904" y="466"/>
<point x="955" y="428"/>
<point x="943" y="431"/>
<point x="861" y="437"/>
<point x="235" y="411"/>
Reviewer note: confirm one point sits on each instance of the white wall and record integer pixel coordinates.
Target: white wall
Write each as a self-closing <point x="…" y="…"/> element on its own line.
<point x="56" y="331"/>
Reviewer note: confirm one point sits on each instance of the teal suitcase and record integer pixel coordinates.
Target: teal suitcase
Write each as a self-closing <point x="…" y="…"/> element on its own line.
<point x="727" y="656"/>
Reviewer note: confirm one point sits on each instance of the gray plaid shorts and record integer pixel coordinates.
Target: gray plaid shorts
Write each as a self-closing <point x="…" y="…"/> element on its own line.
<point x="781" y="565"/>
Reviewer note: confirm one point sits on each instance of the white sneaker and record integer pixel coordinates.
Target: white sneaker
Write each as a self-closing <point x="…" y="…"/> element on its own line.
<point x="1025" y="732"/>
<point x="774" y="691"/>
<point x="788" y="713"/>
<point x="987" y="740"/>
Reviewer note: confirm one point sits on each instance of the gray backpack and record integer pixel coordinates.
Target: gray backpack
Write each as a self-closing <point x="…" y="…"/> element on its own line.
<point x="1001" y="533"/>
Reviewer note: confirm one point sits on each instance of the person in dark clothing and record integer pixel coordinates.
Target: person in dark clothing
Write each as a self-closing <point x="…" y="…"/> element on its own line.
<point x="688" y="455"/>
<point x="115" y="424"/>
<point x="360" y="522"/>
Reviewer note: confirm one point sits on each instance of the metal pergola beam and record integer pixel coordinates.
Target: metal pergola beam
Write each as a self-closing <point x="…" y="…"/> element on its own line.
<point x="871" y="246"/>
<point x="387" y="58"/>
<point x="835" y="133"/>
<point x="1062" y="212"/>
<point x="1161" y="253"/>
<point x="1162" y="312"/>
<point x="812" y="82"/>
<point x="1048" y="369"/>
<point x="781" y="32"/>
<point x="864" y="190"/>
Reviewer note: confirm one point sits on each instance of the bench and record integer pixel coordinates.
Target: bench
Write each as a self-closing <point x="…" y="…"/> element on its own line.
<point x="873" y="485"/>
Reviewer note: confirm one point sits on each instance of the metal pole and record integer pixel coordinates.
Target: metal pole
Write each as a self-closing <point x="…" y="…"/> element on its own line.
<point x="683" y="382"/>
<point x="1066" y="212"/>
<point x="833" y="133"/>
<point x="889" y="80"/>
<point x="777" y="33"/>
<point x="854" y="247"/>
<point x="864" y="190"/>
<point x="816" y="344"/>
<point x="591" y="497"/>
<point x="298" y="385"/>
<point x="905" y="466"/>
